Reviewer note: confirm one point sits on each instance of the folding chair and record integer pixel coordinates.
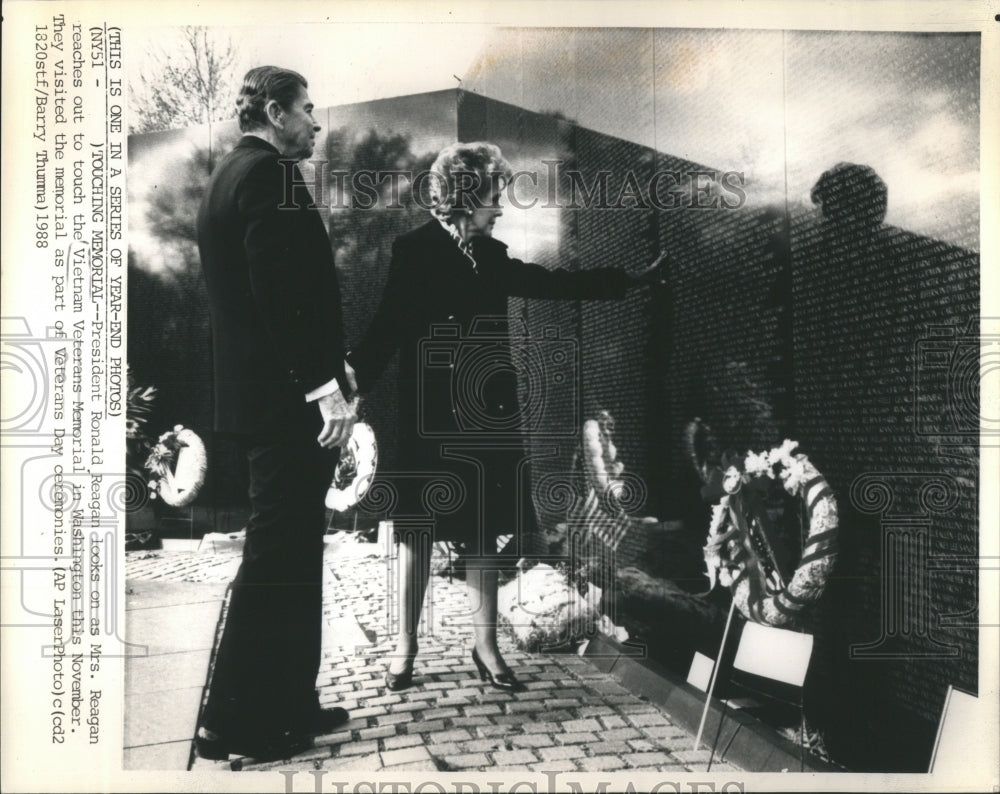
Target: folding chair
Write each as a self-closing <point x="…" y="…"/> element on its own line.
<point x="700" y="673"/>
<point x="770" y="663"/>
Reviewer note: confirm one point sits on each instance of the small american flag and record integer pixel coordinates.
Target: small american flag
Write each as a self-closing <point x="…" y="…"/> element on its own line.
<point x="591" y="512"/>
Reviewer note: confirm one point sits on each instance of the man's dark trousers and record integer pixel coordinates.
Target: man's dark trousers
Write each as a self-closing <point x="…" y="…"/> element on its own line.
<point x="269" y="655"/>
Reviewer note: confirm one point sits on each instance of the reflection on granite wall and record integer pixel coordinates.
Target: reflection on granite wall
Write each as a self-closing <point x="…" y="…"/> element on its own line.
<point x="776" y="322"/>
<point x="903" y="605"/>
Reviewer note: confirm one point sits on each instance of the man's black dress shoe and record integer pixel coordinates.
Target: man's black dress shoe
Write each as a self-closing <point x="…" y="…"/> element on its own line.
<point x="326" y="720"/>
<point x="271" y="748"/>
<point x="216" y="747"/>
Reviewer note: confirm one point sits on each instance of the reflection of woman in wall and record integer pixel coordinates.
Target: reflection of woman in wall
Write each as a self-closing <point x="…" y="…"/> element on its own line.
<point x="460" y="421"/>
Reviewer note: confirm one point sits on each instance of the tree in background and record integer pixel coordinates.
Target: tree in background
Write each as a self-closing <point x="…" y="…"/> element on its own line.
<point x="168" y="309"/>
<point x="362" y="238"/>
<point x="189" y="80"/>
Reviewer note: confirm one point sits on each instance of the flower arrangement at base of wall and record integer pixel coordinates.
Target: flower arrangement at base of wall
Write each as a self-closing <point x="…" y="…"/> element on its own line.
<point x="178" y="463"/>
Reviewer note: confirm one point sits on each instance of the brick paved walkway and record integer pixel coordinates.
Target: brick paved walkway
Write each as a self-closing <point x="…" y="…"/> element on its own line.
<point x="181" y="566"/>
<point x="571" y="718"/>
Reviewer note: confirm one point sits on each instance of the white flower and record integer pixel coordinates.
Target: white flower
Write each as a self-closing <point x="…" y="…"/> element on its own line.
<point x="783" y="454"/>
<point x="795" y="474"/>
<point x="757" y="465"/>
<point x="731" y="480"/>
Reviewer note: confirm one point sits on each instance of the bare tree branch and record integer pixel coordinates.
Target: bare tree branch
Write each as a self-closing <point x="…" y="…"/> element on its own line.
<point x="189" y="80"/>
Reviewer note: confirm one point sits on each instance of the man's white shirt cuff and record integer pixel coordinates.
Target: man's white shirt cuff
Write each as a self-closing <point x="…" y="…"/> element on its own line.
<point x="322" y="391"/>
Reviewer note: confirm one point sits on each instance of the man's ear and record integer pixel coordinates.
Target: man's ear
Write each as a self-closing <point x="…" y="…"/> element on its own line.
<point x="274" y="112"/>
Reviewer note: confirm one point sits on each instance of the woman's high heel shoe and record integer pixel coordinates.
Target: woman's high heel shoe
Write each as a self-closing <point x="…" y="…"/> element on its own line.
<point x="505" y="682"/>
<point x="404" y="680"/>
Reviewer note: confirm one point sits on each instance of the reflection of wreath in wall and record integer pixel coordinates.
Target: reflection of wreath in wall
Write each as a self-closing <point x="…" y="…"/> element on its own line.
<point x="738" y="554"/>
<point x="608" y="493"/>
<point x="355" y="470"/>
<point x="178" y="463"/>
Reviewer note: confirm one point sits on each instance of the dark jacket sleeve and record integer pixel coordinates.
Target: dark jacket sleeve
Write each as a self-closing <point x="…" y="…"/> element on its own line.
<point x="527" y="280"/>
<point x="393" y="316"/>
<point x="289" y="293"/>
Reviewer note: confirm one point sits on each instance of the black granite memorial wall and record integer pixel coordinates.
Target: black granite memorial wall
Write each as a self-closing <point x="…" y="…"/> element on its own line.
<point x="859" y="342"/>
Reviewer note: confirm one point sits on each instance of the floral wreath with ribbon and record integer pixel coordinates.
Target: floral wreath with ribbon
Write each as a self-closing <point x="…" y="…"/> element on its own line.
<point x="355" y="469"/>
<point x="738" y="554"/>
<point x="178" y="463"/>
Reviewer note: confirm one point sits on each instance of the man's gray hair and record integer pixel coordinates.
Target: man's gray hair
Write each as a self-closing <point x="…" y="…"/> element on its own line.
<point x="262" y="84"/>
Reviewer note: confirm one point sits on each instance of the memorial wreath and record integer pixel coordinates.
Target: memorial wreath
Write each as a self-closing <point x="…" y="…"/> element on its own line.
<point x="178" y="462"/>
<point x="738" y="554"/>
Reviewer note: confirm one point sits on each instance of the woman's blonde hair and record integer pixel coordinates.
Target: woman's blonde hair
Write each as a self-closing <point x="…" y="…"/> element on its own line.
<point x="464" y="176"/>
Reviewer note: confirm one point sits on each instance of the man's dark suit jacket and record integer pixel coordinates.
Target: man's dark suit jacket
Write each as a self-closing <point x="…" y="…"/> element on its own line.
<point x="273" y="294"/>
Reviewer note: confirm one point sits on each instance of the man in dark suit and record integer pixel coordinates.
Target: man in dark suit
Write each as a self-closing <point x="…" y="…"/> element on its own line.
<point x="282" y="387"/>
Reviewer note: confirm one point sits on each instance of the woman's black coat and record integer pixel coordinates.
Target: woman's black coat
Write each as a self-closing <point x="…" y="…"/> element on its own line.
<point x="461" y="455"/>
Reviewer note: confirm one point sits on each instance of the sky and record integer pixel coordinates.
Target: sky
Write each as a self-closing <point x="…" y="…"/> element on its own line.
<point x="781" y="107"/>
<point x="347" y="63"/>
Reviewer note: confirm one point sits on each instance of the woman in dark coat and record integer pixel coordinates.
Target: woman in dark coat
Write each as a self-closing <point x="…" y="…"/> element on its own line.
<point x="460" y="453"/>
